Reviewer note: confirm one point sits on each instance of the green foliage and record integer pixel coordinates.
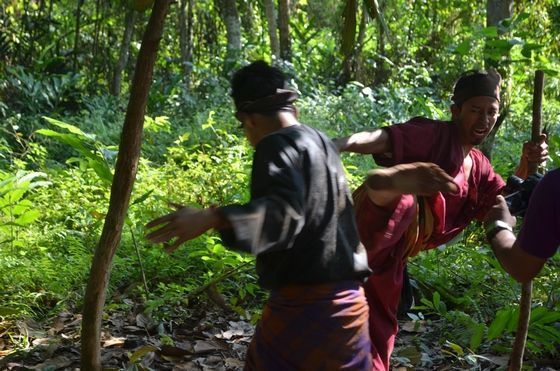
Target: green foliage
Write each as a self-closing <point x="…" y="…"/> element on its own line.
<point x="29" y="94"/>
<point x="17" y="211"/>
<point x="55" y="176"/>
<point x="94" y="155"/>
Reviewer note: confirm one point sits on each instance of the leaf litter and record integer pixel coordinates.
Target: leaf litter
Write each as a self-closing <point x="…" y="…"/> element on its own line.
<point x="210" y="339"/>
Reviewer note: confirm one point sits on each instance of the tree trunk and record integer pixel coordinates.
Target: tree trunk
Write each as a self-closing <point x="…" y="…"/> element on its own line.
<point x="271" y="15"/>
<point x="129" y="20"/>
<point x="382" y="71"/>
<point x="96" y="31"/>
<point x="77" y="34"/>
<point x="358" y="62"/>
<point x="348" y="43"/>
<point x="284" y="29"/>
<point x="230" y="17"/>
<point x="248" y="20"/>
<point x="185" y="38"/>
<point x="125" y="172"/>
<point x="496" y="11"/>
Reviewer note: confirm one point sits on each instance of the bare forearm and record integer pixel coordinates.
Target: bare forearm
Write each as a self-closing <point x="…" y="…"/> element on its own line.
<point x="519" y="264"/>
<point x="365" y="142"/>
<point x="522" y="170"/>
<point x="501" y="244"/>
<point x="381" y="190"/>
<point x="217" y="220"/>
<point x="419" y="178"/>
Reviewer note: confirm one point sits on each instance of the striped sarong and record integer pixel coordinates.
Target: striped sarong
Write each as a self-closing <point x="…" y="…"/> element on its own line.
<point x="313" y="327"/>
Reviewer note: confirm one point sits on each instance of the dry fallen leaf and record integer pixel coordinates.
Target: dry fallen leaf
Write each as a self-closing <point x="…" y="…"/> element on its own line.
<point x="412" y="353"/>
<point x="52" y="364"/>
<point x="414" y="326"/>
<point x="233" y="363"/>
<point x="30" y="328"/>
<point x="144" y="321"/>
<point x="175" y="351"/>
<point x="57" y="326"/>
<point x="497" y="360"/>
<point x="114" y="342"/>
<point x="202" y="346"/>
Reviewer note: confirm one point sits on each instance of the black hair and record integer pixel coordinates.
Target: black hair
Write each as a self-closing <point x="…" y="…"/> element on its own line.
<point x="255" y="81"/>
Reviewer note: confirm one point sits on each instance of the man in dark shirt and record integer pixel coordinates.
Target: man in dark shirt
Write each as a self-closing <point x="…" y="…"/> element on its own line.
<point x="300" y="225"/>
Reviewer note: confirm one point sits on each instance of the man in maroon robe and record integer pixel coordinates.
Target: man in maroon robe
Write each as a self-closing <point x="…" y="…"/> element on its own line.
<point x="435" y="183"/>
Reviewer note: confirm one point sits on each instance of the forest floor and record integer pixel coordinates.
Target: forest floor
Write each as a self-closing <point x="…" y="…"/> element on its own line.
<point x="210" y="339"/>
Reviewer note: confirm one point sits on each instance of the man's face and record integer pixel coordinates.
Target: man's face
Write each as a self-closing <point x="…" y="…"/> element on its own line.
<point x="248" y="127"/>
<point x="476" y="118"/>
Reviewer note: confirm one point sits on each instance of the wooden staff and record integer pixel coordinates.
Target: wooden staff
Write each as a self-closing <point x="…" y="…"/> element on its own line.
<point x="516" y="358"/>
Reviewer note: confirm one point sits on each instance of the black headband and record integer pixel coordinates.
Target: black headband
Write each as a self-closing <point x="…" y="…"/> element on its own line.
<point x="477" y="83"/>
<point x="282" y="100"/>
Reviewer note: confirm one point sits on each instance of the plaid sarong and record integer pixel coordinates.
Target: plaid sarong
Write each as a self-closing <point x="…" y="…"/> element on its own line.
<point x="313" y="327"/>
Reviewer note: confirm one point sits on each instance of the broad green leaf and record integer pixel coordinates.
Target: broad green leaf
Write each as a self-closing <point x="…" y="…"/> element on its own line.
<point x="16" y="194"/>
<point x="502" y="45"/>
<point x="21" y="207"/>
<point x="476" y="337"/>
<point x="436" y="299"/>
<point x="499" y="323"/>
<point x="491" y="31"/>
<point x="71" y="128"/>
<point x="7" y="311"/>
<point x="543" y="316"/>
<point x="511" y="326"/>
<point x="29" y="176"/>
<point x="72" y="140"/>
<point x="28" y="217"/>
<point x="528" y="49"/>
<point x="102" y="170"/>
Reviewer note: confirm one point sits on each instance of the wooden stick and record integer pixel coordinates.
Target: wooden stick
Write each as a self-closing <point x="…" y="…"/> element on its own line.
<point x="516" y="358"/>
<point x="537" y="108"/>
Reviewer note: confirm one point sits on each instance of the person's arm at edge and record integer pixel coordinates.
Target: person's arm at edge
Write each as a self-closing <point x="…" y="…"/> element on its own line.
<point x="365" y="142"/>
<point x="522" y="266"/>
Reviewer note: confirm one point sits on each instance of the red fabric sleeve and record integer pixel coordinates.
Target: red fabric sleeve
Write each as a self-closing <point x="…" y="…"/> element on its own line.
<point x="410" y="142"/>
<point x="489" y="184"/>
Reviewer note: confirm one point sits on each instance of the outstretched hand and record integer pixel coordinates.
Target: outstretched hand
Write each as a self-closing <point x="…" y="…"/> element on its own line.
<point x="180" y="226"/>
<point x="419" y="178"/>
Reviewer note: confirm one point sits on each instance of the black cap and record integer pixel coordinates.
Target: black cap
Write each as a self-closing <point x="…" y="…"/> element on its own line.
<point x="475" y="84"/>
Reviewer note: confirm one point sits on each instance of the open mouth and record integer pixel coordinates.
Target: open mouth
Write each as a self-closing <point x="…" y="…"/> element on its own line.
<point x="480" y="132"/>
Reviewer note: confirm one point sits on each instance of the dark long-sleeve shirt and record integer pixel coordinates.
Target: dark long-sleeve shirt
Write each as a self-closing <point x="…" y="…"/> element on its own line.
<point x="299" y="222"/>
